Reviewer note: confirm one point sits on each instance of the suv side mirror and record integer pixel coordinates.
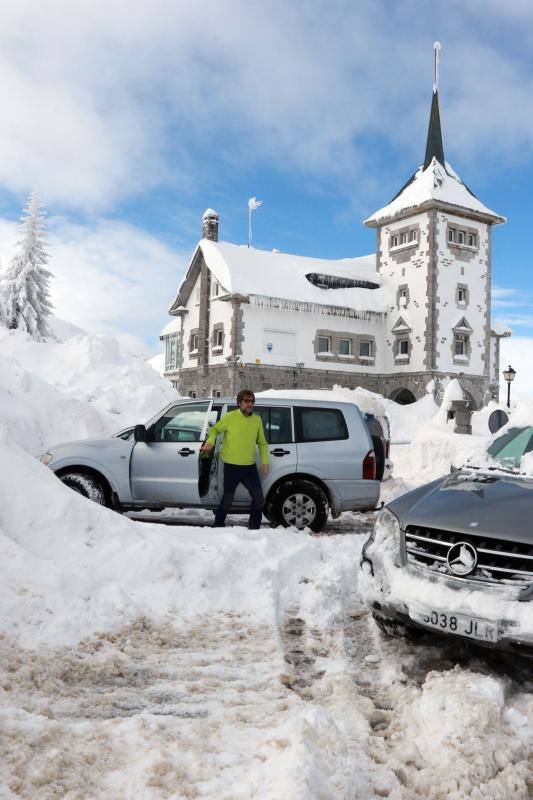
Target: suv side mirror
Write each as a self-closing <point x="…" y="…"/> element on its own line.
<point x="139" y="433"/>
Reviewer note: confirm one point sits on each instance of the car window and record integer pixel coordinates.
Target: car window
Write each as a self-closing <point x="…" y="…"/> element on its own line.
<point x="181" y="423"/>
<point x="509" y="448"/>
<point x="277" y="423"/>
<point x="320" y="424"/>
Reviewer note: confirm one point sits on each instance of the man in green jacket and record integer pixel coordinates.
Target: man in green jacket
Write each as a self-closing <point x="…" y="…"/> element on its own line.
<point x="243" y="432"/>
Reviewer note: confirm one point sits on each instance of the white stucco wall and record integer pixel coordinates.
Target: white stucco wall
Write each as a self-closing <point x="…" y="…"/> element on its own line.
<point x="220" y="312"/>
<point x="412" y="272"/>
<point x="191" y="321"/>
<point x="292" y="335"/>
<point x="452" y="271"/>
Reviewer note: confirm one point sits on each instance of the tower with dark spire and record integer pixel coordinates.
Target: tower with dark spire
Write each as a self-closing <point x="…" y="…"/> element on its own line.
<point x="434" y="251"/>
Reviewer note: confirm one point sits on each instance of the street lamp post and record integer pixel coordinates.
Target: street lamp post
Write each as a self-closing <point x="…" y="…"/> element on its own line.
<point x="509" y="375"/>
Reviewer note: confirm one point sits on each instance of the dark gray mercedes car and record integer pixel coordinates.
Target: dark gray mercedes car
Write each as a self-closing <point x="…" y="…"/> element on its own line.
<point x="456" y="556"/>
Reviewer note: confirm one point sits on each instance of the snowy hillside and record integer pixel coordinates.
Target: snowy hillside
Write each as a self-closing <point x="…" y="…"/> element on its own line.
<point x="52" y="391"/>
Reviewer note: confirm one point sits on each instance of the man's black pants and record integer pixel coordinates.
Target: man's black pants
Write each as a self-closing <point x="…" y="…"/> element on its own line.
<point x="249" y="477"/>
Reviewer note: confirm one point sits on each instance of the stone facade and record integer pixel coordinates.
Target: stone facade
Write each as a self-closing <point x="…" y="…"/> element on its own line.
<point x="228" y="379"/>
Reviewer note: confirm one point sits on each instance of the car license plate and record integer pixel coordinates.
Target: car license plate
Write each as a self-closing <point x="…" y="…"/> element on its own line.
<point x="459" y="624"/>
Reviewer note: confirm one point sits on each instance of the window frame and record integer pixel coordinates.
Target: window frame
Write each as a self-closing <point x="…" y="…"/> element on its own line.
<point x="369" y="343"/>
<point x="350" y="346"/>
<point x="194" y="337"/>
<point x="462" y="339"/>
<point x="324" y="338"/>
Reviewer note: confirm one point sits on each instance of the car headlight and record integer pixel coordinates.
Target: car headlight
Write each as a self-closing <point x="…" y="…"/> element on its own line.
<point x="45" y="458"/>
<point x="386" y="527"/>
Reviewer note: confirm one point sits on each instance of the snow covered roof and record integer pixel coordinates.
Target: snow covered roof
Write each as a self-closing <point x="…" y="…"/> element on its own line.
<point x="171" y="327"/>
<point x="266" y="274"/>
<point x="499" y="329"/>
<point x="436" y="183"/>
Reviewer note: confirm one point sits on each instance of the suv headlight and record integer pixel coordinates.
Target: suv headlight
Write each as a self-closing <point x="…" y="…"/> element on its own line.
<point x="45" y="458"/>
<point x="386" y="527"/>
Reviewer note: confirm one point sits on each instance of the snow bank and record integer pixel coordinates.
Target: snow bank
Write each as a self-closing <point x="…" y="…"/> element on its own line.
<point x="74" y="567"/>
<point x="84" y="387"/>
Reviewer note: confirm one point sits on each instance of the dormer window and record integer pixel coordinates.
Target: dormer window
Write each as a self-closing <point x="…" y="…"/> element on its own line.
<point x="395" y="241"/>
<point x="403" y="238"/>
<point x="215" y="289"/>
<point x="460" y="237"/>
<point x="412" y="236"/>
<point x="451" y="234"/>
<point x="472" y="240"/>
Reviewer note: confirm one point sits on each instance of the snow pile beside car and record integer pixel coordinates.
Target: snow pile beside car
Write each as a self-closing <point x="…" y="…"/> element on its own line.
<point x="75" y="567"/>
<point x="159" y="653"/>
<point x="84" y="387"/>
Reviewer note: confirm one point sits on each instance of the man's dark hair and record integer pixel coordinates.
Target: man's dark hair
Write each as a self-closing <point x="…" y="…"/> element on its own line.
<point x="244" y="393"/>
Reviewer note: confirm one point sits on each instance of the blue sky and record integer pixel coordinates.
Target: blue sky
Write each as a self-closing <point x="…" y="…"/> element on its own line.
<point x="131" y="120"/>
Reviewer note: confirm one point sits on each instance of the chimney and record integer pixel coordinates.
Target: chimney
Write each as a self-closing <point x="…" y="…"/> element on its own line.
<point x="210" y="225"/>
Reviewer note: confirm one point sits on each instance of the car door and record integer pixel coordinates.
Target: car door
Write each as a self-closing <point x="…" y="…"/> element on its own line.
<point x="279" y="432"/>
<point x="325" y="448"/>
<point x="210" y="466"/>
<point x="165" y="469"/>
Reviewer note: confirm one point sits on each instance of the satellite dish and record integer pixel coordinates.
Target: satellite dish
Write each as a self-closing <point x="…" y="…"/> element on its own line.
<point x="497" y="420"/>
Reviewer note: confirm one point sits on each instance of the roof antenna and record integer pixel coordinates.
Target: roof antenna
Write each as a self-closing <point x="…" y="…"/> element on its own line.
<point x="437" y="47"/>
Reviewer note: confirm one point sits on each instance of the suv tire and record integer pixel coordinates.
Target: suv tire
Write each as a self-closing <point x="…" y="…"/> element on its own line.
<point x="86" y="485"/>
<point x="300" y="503"/>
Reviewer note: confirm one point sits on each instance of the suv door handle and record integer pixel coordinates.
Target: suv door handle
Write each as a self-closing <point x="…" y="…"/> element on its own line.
<point x="280" y="452"/>
<point x="185" y="451"/>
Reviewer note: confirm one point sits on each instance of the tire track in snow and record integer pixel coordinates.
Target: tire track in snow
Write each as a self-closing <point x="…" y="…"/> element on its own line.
<point x="148" y="711"/>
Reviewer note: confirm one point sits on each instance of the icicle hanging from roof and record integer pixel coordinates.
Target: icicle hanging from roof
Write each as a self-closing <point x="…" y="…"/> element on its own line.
<point x="284" y="304"/>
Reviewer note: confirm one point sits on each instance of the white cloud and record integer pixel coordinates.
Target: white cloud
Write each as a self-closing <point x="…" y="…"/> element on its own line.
<point x="517" y="351"/>
<point x="109" y="278"/>
<point x="105" y="100"/>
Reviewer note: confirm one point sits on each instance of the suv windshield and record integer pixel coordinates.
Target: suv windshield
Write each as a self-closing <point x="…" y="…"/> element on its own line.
<point x="509" y="448"/>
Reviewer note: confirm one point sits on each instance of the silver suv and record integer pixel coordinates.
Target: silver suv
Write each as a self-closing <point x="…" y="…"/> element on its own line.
<point x="321" y="459"/>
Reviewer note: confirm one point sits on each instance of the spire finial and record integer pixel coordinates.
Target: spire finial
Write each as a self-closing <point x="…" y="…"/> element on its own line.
<point x="437" y="47"/>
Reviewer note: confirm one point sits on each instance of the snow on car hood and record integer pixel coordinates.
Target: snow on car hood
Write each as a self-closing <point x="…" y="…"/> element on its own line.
<point x="474" y="502"/>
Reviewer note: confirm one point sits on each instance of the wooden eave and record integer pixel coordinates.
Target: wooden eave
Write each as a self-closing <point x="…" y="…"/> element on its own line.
<point x="187" y="284"/>
<point x="427" y="205"/>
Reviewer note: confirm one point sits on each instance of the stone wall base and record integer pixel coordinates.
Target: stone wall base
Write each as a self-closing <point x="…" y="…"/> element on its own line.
<point x="228" y="380"/>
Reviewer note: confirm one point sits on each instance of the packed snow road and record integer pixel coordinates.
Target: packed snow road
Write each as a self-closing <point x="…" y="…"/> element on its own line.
<point x="307" y="700"/>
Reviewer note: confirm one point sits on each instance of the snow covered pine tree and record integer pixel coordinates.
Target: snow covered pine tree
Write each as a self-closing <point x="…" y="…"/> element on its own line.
<point x="24" y="296"/>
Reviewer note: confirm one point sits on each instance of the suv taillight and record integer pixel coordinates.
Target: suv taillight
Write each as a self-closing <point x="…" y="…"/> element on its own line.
<point x="369" y="466"/>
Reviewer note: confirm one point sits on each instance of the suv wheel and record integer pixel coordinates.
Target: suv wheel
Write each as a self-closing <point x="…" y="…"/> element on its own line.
<point x="299" y="503"/>
<point x="86" y="485"/>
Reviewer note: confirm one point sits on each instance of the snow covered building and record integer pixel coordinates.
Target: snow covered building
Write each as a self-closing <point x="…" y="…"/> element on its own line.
<point x="416" y="312"/>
